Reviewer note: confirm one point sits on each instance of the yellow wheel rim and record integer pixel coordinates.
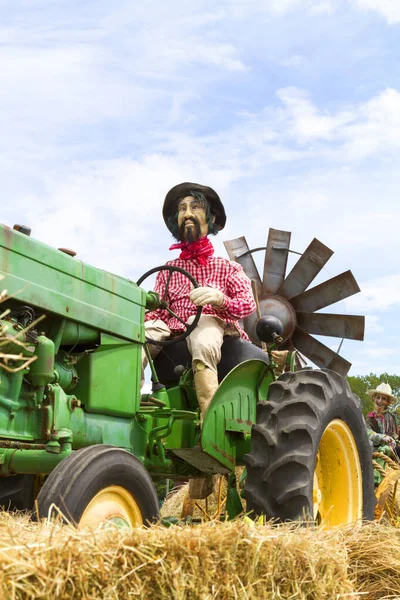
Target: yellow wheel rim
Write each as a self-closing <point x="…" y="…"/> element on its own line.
<point x="337" y="490"/>
<point x="113" y="505"/>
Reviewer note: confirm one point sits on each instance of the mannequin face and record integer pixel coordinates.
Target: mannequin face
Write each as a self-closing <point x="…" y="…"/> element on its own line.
<point x="381" y="403"/>
<point x="192" y="220"/>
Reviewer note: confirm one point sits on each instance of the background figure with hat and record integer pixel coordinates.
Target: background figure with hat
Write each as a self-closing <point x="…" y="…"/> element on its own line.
<point x="381" y="423"/>
<point x="191" y="212"/>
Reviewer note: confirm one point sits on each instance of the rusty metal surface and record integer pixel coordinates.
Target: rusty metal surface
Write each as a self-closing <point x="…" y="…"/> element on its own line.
<point x="305" y="270"/>
<point x="327" y="293"/>
<point x="21" y="445"/>
<point x="276" y="257"/>
<point x="202" y="461"/>
<point x="318" y="353"/>
<point x="275" y="307"/>
<point x="350" y="327"/>
<point x="237" y="247"/>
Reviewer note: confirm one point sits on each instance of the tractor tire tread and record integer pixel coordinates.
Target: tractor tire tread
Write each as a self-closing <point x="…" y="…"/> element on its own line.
<point x="79" y="477"/>
<point x="280" y="465"/>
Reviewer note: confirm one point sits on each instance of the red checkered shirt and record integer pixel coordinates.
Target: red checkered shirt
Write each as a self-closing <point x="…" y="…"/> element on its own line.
<point x="220" y="273"/>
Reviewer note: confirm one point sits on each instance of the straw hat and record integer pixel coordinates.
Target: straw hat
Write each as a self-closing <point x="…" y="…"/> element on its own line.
<point x="385" y="390"/>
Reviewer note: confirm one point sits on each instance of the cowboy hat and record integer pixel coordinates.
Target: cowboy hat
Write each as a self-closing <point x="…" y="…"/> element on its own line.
<point x="182" y="190"/>
<point x="385" y="390"/>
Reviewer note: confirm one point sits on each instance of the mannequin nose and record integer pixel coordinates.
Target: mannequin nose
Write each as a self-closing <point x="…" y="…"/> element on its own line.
<point x="188" y="212"/>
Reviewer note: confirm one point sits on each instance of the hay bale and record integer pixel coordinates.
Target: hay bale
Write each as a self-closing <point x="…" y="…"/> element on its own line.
<point x="374" y="560"/>
<point x="211" y="560"/>
<point x="214" y="560"/>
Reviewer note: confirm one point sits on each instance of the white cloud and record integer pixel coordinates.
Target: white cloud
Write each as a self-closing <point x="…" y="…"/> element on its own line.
<point x="123" y="63"/>
<point x="293" y="61"/>
<point x="380" y="352"/>
<point x="294" y="130"/>
<point x="372" y="325"/>
<point x="90" y="201"/>
<point x="379" y="294"/>
<point x="280" y="7"/>
<point x="104" y="109"/>
<point x="304" y="119"/>
<point x="376" y="128"/>
<point x="199" y="51"/>
<point x="327" y="7"/>
<point x="375" y="356"/>
<point x="109" y="212"/>
<point x="357" y="132"/>
<point x="389" y="9"/>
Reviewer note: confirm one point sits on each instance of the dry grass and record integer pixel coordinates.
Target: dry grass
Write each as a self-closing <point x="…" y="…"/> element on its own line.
<point x="374" y="560"/>
<point x="173" y="506"/>
<point x="225" y="560"/>
<point x="208" y="561"/>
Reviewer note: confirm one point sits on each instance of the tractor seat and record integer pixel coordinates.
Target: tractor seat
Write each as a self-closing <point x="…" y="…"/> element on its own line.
<point x="234" y="351"/>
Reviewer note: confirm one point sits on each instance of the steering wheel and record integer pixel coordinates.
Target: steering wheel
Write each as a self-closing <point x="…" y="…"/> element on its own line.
<point x="188" y="328"/>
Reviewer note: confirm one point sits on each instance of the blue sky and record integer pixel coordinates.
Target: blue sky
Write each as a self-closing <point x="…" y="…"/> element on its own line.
<point x="289" y="108"/>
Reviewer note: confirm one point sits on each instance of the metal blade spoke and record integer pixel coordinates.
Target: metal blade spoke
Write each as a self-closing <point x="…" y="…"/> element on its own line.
<point x="327" y="293"/>
<point x="305" y="270"/>
<point x="350" y="327"/>
<point x="235" y="249"/>
<point x="318" y="353"/>
<point x="171" y="312"/>
<point x="276" y="257"/>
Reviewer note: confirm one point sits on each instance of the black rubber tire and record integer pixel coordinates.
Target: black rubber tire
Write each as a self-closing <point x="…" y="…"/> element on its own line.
<point x="79" y="477"/>
<point x="17" y="492"/>
<point x="286" y="438"/>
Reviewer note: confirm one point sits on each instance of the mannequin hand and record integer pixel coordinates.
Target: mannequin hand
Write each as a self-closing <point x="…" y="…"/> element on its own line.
<point x="388" y="440"/>
<point x="206" y="295"/>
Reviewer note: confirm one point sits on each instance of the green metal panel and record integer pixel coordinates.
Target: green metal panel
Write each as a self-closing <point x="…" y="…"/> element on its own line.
<point x="109" y="378"/>
<point x="233" y="410"/>
<point x="90" y="428"/>
<point x="18" y="418"/>
<point x="183" y="431"/>
<point x="49" y="279"/>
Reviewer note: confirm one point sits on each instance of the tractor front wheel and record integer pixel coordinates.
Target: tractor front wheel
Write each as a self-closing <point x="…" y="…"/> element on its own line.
<point x="100" y="484"/>
<point x="310" y="456"/>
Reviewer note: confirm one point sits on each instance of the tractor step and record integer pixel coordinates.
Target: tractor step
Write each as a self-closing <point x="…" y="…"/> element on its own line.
<point x="200" y="460"/>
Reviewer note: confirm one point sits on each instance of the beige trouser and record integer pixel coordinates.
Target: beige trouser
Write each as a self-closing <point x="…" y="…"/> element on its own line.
<point x="204" y="343"/>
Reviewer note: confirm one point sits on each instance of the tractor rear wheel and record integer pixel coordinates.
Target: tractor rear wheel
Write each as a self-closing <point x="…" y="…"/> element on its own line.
<point x="310" y="456"/>
<point x="100" y="484"/>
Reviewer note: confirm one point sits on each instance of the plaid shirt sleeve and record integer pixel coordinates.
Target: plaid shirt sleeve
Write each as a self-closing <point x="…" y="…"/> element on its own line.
<point x="376" y="438"/>
<point x="220" y="273"/>
<point x="238" y="297"/>
<point x="390" y="425"/>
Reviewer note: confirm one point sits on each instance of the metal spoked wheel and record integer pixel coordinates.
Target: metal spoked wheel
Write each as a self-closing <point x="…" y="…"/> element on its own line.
<point x="289" y="298"/>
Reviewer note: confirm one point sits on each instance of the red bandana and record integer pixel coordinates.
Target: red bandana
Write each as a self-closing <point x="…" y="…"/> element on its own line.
<point x="200" y="250"/>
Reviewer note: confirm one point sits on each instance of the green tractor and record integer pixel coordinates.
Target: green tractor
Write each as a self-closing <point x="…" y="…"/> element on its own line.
<point x="78" y="437"/>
